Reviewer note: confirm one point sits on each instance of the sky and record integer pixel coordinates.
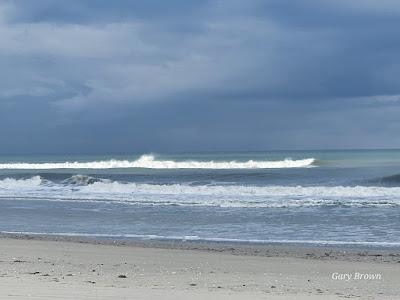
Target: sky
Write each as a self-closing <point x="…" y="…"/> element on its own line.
<point x="102" y="76"/>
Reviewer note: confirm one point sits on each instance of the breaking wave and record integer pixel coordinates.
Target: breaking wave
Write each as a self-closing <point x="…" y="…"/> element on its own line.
<point x="12" y="183"/>
<point x="81" y="180"/>
<point x="150" y="162"/>
<point x="88" y="189"/>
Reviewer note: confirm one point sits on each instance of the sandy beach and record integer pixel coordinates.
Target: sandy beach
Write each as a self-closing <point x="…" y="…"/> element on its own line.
<point x="63" y="268"/>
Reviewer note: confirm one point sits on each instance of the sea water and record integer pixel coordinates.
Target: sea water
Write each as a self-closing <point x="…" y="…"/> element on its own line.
<point x="310" y="197"/>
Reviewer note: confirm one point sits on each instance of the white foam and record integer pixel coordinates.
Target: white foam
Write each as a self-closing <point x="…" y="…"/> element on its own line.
<point x="248" y="196"/>
<point x="204" y="195"/>
<point x="12" y="184"/>
<point x="149" y="162"/>
<point x="240" y="190"/>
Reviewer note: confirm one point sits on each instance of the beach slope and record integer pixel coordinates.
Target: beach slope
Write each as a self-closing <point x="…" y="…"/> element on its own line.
<point x="43" y="269"/>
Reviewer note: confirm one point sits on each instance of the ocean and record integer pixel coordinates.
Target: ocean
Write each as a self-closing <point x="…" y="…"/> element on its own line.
<point x="305" y="197"/>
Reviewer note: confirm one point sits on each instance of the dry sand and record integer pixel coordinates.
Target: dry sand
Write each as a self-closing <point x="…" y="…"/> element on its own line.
<point x="58" y="269"/>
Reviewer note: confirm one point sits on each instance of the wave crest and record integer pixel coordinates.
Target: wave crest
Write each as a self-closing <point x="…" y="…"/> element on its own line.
<point x="392" y="180"/>
<point x="149" y="162"/>
<point x="81" y="180"/>
<point x="23" y="183"/>
<point x="131" y="193"/>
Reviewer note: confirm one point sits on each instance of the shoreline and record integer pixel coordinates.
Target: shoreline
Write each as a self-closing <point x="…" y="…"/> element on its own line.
<point x="303" y="251"/>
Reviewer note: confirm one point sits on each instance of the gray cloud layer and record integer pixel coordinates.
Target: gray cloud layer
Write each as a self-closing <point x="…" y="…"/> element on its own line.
<point x="102" y="76"/>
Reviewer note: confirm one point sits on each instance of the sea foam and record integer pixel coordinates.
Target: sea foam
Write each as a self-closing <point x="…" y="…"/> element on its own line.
<point x="95" y="190"/>
<point x="150" y="162"/>
<point x="18" y="184"/>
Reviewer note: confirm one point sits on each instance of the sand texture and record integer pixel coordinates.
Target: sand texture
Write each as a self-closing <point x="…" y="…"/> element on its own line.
<point x="44" y="269"/>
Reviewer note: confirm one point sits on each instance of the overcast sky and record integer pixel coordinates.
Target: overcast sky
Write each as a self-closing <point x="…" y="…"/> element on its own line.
<point x="139" y="76"/>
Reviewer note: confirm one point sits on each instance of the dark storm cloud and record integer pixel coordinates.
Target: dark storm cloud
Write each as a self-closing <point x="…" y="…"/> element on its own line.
<point x="124" y="76"/>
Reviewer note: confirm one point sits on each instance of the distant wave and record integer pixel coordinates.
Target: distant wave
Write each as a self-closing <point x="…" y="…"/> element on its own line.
<point x="88" y="189"/>
<point x="149" y="162"/>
